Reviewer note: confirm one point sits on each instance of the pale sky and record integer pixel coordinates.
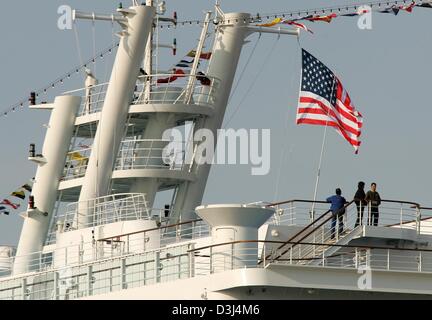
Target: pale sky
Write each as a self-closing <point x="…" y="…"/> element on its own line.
<point x="386" y="70"/>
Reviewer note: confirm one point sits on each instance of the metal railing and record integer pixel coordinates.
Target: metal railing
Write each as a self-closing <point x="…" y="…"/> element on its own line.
<point x="103" y="276"/>
<point x="298" y="249"/>
<point x="330" y="228"/>
<point x="112" y="274"/>
<point x="134" y="154"/>
<point x="151" y="154"/>
<point x="128" y="271"/>
<point x="391" y="213"/>
<point x="373" y="257"/>
<point x="104" y="210"/>
<point x="169" y="233"/>
<point x="92" y="100"/>
<point x="176" y="89"/>
<point x="110" y="247"/>
<point x="76" y="164"/>
<point x="129" y="260"/>
<point x="163" y="235"/>
<point x="297" y="212"/>
<point x="234" y="255"/>
<point x="318" y="230"/>
<point x="153" y="90"/>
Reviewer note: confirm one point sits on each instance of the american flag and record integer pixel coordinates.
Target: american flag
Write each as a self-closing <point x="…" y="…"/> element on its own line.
<point x="324" y="101"/>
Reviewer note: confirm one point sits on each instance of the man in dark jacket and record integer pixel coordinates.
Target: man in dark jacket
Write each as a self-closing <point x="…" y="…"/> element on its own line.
<point x="359" y="199"/>
<point x="337" y="204"/>
<point x="374" y="200"/>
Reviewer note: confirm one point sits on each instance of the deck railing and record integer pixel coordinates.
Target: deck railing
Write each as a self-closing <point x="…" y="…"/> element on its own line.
<point x="76" y="164"/>
<point x="120" y="246"/>
<point x="330" y="228"/>
<point x="113" y="274"/>
<point x="176" y="89"/>
<point x="92" y="98"/>
<point x="155" y="89"/>
<point x="151" y="154"/>
<point x="108" y="209"/>
<point x="135" y="154"/>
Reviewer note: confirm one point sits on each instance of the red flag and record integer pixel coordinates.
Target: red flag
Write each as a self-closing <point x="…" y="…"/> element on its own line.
<point x="299" y="25"/>
<point x="408" y="8"/>
<point x="177" y="74"/>
<point x="327" y="19"/>
<point x="10" y="204"/>
<point x="204" y="55"/>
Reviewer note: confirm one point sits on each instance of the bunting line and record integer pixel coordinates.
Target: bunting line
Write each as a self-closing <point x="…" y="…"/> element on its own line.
<point x="296" y="15"/>
<point x="394" y="9"/>
<point x="6" y="205"/>
<point x="346" y="10"/>
<point x="185" y="64"/>
<point x="59" y="81"/>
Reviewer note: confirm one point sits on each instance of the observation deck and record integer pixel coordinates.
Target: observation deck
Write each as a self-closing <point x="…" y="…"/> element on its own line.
<point x="293" y="243"/>
<point x="137" y="158"/>
<point x="185" y="98"/>
<point x="177" y="97"/>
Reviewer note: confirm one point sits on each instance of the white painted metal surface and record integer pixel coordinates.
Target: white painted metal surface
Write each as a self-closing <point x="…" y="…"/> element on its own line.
<point x="118" y="97"/>
<point x="231" y="223"/>
<point x="117" y="246"/>
<point x="6" y="253"/>
<point x="56" y="145"/>
<point x="229" y="40"/>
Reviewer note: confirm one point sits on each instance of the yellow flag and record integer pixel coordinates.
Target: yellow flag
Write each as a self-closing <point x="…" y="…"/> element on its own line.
<point x="271" y="24"/>
<point x="76" y="156"/>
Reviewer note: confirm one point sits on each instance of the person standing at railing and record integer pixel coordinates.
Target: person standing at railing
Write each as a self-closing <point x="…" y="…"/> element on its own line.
<point x="201" y="77"/>
<point x="359" y="199"/>
<point x="337" y="208"/>
<point x="374" y="200"/>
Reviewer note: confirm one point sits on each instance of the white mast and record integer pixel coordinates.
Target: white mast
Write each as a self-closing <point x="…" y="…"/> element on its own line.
<point x="156" y="125"/>
<point x="51" y="166"/>
<point x="232" y="31"/>
<point x="229" y="42"/>
<point x="161" y="121"/>
<point x="119" y="94"/>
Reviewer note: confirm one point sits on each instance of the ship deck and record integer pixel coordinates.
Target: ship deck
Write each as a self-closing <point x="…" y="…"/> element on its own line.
<point x="288" y="241"/>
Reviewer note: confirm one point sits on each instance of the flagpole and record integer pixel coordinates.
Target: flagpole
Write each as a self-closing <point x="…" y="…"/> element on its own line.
<point x="318" y="173"/>
<point x="312" y="213"/>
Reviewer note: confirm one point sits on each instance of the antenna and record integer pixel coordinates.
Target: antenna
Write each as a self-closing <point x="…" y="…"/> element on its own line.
<point x="218" y="10"/>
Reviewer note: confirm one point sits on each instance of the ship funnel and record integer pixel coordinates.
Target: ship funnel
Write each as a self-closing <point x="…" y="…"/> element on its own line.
<point x="232" y="224"/>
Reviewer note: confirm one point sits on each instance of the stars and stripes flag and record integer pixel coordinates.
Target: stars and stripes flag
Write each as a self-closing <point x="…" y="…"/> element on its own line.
<point x="324" y="101"/>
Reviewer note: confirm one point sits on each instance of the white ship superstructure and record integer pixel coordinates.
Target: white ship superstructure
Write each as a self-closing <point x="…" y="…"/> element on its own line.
<point x="93" y="231"/>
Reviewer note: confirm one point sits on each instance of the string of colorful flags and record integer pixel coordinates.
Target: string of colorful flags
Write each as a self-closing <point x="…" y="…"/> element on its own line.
<point x="392" y="9"/>
<point x="347" y="10"/>
<point x="184" y="66"/>
<point x="59" y="81"/>
<point x="9" y="204"/>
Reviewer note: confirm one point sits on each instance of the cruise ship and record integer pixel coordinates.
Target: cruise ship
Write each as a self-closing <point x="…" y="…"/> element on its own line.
<point x="92" y="230"/>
